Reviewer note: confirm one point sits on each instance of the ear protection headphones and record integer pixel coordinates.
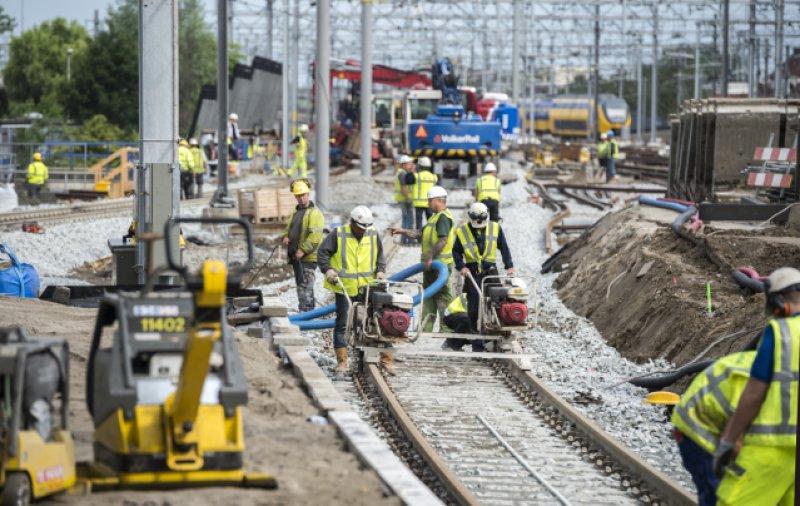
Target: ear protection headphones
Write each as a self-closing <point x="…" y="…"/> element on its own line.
<point x="776" y="302"/>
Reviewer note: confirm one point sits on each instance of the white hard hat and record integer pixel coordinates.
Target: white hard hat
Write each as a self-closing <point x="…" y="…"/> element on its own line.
<point x="404" y="159"/>
<point x="603" y="136"/>
<point x="362" y="216"/>
<point x="478" y="215"/>
<point x="490" y="167"/>
<point x="424" y="161"/>
<point x="784" y="279"/>
<point x="233" y="117"/>
<point x="437" y="192"/>
<point x="303" y="128"/>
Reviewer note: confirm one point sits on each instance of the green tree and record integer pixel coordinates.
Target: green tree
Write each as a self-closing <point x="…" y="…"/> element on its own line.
<point x="36" y="68"/>
<point x="98" y="129"/>
<point x="198" y="53"/>
<point x="106" y="76"/>
<point x="7" y="23"/>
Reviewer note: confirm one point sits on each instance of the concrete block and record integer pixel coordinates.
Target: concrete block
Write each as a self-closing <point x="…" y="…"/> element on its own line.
<point x="242" y="302"/>
<point x="258" y="332"/>
<point x="273" y="307"/>
<point x="276" y="340"/>
<point x="282" y="325"/>
<point x="61" y="295"/>
<point x="242" y="318"/>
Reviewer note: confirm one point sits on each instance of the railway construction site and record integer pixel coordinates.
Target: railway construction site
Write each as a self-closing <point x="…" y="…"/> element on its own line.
<point x="455" y="284"/>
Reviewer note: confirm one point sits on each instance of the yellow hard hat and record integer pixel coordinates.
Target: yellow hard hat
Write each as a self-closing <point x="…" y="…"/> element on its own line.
<point x="183" y="143"/>
<point x="662" y="398"/>
<point x="300" y="188"/>
<point x="37" y="157"/>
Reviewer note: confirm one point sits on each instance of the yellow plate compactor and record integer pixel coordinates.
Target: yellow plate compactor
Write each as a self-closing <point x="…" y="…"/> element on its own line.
<point x="167" y="395"/>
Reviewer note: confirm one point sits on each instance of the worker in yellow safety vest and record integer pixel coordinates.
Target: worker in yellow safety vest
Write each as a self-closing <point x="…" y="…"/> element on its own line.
<point x="701" y="415"/>
<point x="37" y="177"/>
<point x="300" y="149"/>
<point x="186" y="162"/>
<point x="607" y="154"/>
<point x="421" y="182"/>
<point x="402" y="193"/>
<point x="475" y="254"/>
<point x="302" y="237"/>
<point x="351" y="256"/>
<point x="199" y="166"/>
<point x="438" y="236"/>
<point x="487" y="191"/>
<point x="763" y="471"/>
<point x="456" y="319"/>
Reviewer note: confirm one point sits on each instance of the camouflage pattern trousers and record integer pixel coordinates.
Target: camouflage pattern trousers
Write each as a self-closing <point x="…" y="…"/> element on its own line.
<point x="304" y="276"/>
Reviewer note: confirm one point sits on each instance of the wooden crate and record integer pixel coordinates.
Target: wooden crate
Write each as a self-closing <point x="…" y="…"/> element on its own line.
<point x="263" y="205"/>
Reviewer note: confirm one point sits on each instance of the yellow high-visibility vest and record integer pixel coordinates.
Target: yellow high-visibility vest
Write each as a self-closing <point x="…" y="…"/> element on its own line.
<point x="197" y="160"/>
<point x="776" y="422"/>
<point x="457" y="305"/>
<point x="471" y="253"/>
<point x="398" y="193"/>
<point x="355" y="261"/>
<point x="185" y="159"/>
<point x="488" y="187"/>
<point x="37" y="173"/>
<point x="711" y="399"/>
<point x="425" y="180"/>
<point x="430" y="238"/>
<point x="310" y="232"/>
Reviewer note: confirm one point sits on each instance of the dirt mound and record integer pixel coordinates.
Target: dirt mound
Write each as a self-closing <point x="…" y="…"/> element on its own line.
<point x="645" y="289"/>
<point x="308" y="460"/>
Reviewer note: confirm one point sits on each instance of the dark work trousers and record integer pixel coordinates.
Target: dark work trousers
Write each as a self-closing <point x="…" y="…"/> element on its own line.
<point x="458" y="323"/>
<point x="420" y="212"/>
<point x="33" y="192"/>
<point x="198" y="181"/>
<point x="187" y="183"/>
<point x="339" y="340"/>
<point x="473" y="300"/>
<point x="494" y="208"/>
<point x="699" y="463"/>
<point x="304" y="276"/>
<point x="611" y="169"/>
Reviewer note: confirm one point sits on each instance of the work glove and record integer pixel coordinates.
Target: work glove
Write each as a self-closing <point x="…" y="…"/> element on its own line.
<point x="331" y="276"/>
<point x="381" y="275"/>
<point x="723" y="456"/>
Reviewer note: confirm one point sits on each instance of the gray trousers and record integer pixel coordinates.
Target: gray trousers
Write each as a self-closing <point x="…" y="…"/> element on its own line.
<point x="304" y="276"/>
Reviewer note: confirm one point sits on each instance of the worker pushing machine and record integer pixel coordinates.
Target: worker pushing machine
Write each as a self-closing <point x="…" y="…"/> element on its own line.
<point x="421" y="181"/>
<point x="402" y="193"/>
<point x="37" y="177"/>
<point x="701" y="414"/>
<point x="302" y="237"/>
<point x="186" y="162"/>
<point x="475" y="254"/>
<point x="487" y="191"/>
<point x="438" y="236"/>
<point x="763" y="470"/>
<point x="607" y="154"/>
<point x="351" y="256"/>
<point x="199" y="166"/>
<point x="300" y="149"/>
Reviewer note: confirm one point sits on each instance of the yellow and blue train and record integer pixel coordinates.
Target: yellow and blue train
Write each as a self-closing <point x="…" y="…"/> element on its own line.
<point x="568" y="115"/>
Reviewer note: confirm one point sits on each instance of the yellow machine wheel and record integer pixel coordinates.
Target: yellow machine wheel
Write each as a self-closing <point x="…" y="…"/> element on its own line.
<point x="17" y="489"/>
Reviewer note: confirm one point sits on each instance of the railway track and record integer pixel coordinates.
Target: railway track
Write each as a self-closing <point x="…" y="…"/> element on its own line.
<point x="484" y="431"/>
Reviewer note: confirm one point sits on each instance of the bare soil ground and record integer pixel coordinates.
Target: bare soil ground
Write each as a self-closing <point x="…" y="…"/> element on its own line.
<point x="645" y="288"/>
<point x="308" y="460"/>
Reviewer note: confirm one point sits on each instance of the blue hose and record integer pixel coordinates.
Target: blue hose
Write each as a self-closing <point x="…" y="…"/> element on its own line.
<point x="303" y="319"/>
<point x="650" y="201"/>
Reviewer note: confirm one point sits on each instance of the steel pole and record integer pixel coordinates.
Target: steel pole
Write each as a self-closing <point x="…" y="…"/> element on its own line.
<point x="322" y="100"/>
<point x="726" y="7"/>
<point x="285" y="126"/>
<point x="639" y="95"/>
<point x="295" y="84"/>
<point x="778" y="48"/>
<point x="751" y="52"/>
<point x="222" y="102"/>
<point x="366" y="88"/>
<point x="269" y="28"/>
<point x="654" y="78"/>
<point x="697" y="65"/>
<point x="596" y="74"/>
<point x="515" y="53"/>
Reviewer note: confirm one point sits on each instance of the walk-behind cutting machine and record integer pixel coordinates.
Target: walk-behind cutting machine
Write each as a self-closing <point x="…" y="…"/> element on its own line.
<point x="38" y="456"/>
<point x="384" y="314"/>
<point x="166" y="394"/>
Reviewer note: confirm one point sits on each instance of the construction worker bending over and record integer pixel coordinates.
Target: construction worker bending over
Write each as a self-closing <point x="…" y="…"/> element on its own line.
<point x="402" y="193"/>
<point x="607" y="154"/>
<point x="300" y="148"/>
<point x="421" y="181"/>
<point x="487" y="191"/>
<point x="199" y="166"/>
<point x="438" y="236"/>
<point x="701" y="415"/>
<point x="353" y="256"/>
<point x="475" y="253"/>
<point x="186" y="162"/>
<point x="457" y="319"/>
<point x="37" y="177"/>
<point x="762" y="472"/>
<point x="302" y="237"/>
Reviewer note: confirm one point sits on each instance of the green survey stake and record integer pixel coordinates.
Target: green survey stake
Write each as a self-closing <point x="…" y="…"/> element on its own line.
<point x="708" y="294"/>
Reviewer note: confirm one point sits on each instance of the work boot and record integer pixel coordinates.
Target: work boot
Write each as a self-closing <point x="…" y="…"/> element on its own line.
<point x="341" y="361"/>
<point x="387" y="363"/>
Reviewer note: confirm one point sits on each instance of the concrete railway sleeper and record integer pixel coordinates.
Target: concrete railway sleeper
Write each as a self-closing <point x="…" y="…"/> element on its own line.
<point x="529" y="446"/>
